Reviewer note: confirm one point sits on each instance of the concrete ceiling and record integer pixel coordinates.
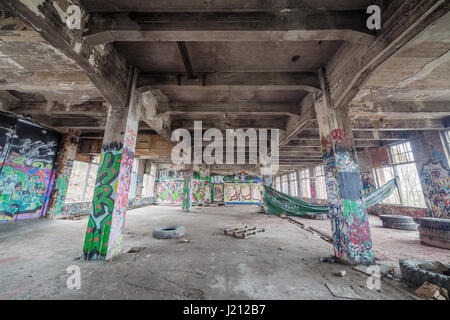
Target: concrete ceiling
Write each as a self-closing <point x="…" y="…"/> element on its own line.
<point x="45" y="84"/>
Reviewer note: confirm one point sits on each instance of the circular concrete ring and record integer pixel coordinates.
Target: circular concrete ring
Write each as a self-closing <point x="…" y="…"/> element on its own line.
<point x="168" y="232"/>
<point x="396" y="219"/>
<point x="434" y="241"/>
<point x="401" y="226"/>
<point x="435" y="223"/>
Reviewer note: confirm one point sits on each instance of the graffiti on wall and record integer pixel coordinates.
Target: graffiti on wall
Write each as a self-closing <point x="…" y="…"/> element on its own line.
<point x="218" y="195"/>
<point x="368" y="185"/>
<point x="435" y="178"/>
<point x="201" y="192"/>
<point x="169" y="192"/>
<point x="243" y="193"/>
<point x="350" y="225"/>
<point x="26" y="171"/>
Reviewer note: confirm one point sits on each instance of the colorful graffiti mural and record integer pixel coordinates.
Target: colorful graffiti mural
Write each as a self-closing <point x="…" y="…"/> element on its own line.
<point x="26" y="170"/>
<point x="368" y="185"/>
<point x="350" y="225"/>
<point x="218" y="195"/>
<point x="435" y="178"/>
<point x="243" y="193"/>
<point x="99" y="225"/>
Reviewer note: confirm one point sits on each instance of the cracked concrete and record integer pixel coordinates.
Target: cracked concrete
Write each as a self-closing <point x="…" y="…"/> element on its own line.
<point x="34" y="256"/>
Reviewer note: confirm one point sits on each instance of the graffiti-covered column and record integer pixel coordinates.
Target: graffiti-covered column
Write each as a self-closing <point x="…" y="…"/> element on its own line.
<point x="434" y="171"/>
<point x="186" y="205"/>
<point x="107" y="218"/>
<point x="64" y="165"/>
<point x="352" y="239"/>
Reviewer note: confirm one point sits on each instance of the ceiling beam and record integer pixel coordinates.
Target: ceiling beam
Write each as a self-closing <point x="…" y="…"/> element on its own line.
<point x="308" y="81"/>
<point x="351" y="67"/>
<point x="399" y="110"/>
<point x="242" y="108"/>
<point x="274" y="123"/>
<point x="295" y="25"/>
<point x="106" y="68"/>
<point x="52" y="108"/>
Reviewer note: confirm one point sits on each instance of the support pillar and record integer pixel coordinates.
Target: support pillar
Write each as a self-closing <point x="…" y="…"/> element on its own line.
<point x="186" y="205"/>
<point x="107" y="218"/>
<point x="299" y="187"/>
<point x="434" y="172"/>
<point x="140" y="178"/>
<point x="352" y="238"/>
<point x="64" y="165"/>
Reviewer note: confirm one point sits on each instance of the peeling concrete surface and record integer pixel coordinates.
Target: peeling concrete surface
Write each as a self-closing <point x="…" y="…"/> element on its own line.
<point x="34" y="256"/>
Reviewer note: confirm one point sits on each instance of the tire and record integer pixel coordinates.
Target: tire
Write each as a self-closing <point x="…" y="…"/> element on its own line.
<point x="434" y="241"/>
<point x="401" y="226"/>
<point x="168" y="232"/>
<point x="396" y="219"/>
<point x="412" y="273"/>
<point x="435" y="223"/>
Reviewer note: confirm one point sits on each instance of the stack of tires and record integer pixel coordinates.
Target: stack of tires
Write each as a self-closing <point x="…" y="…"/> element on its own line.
<point x="435" y="232"/>
<point x="399" y="222"/>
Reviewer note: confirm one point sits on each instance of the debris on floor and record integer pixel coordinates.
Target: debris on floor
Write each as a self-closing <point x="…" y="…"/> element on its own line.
<point x="342" y="291"/>
<point x="283" y="216"/>
<point x="184" y="241"/>
<point x="135" y="249"/>
<point x="435" y="266"/>
<point x="432" y="291"/>
<point x="330" y="259"/>
<point x="243" y="232"/>
<point x="318" y="233"/>
<point x="341" y="273"/>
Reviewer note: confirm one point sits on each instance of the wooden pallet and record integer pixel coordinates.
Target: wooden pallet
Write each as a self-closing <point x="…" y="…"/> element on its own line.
<point x="243" y="232"/>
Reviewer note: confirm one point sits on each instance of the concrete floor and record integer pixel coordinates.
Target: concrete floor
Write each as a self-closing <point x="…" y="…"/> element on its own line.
<point x="34" y="256"/>
<point x="391" y="245"/>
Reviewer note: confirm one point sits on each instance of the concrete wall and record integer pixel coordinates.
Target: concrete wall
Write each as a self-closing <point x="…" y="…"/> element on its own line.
<point x="231" y="188"/>
<point x="27" y="160"/>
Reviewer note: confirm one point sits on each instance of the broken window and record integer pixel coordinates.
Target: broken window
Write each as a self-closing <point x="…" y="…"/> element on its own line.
<point x="293" y="183"/>
<point x="82" y="181"/>
<point x="321" y="187"/>
<point x="409" y="192"/>
<point x="305" y="186"/>
<point x="278" y="184"/>
<point x="446" y="135"/>
<point x="284" y="184"/>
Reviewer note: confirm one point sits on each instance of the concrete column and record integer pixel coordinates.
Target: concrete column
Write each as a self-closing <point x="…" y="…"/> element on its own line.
<point x="433" y="168"/>
<point x="64" y="165"/>
<point x="186" y="205"/>
<point x="352" y="238"/>
<point x="140" y="178"/>
<point x="106" y="223"/>
<point x="299" y="188"/>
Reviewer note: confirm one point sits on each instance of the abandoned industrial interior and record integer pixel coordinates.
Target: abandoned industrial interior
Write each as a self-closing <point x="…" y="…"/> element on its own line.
<point x="224" y="150"/>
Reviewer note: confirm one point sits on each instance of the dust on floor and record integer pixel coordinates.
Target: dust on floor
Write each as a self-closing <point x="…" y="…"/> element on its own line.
<point x="34" y="257"/>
